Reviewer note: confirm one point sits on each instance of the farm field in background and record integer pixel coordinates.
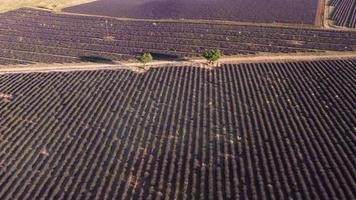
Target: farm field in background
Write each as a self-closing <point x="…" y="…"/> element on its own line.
<point x="249" y="131"/>
<point x="35" y="36"/>
<point x="344" y="12"/>
<point x="301" y="11"/>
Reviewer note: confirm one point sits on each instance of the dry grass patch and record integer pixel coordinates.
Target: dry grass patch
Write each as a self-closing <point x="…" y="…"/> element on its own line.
<point x="56" y="5"/>
<point x="108" y="38"/>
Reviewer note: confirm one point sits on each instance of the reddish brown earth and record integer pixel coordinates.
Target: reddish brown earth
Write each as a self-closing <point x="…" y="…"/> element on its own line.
<point x="286" y="11"/>
<point x="247" y="131"/>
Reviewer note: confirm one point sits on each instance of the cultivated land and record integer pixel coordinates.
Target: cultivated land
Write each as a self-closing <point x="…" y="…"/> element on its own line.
<point x="302" y="11"/>
<point x="248" y="131"/>
<point x="30" y="36"/>
<point x="343" y="12"/>
<point x="81" y="119"/>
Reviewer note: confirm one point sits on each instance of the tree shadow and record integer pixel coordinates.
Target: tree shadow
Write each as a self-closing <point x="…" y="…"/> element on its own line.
<point x="96" y="59"/>
<point x="167" y="57"/>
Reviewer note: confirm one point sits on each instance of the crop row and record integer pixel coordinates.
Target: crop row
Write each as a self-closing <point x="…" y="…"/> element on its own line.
<point x="344" y="13"/>
<point x="185" y="38"/>
<point x="30" y="35"/>
<point x="299" y="12"/>
<point x="247" y="131"/>
<point x="64" y="22"/>
<point x="7" y="61"/>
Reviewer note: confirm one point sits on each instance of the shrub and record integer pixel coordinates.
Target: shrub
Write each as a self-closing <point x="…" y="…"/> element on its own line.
<point x="146" y="58"/>
<point x="212" y="55"/>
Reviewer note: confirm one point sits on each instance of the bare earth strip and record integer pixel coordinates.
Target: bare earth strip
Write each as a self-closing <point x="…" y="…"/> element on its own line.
<point x="326" y="16"/>
<point x="138" y="67"/>
<point x="320" y="13"/>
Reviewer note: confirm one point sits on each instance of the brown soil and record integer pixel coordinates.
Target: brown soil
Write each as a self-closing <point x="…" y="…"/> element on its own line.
<point x="320" y="13"/>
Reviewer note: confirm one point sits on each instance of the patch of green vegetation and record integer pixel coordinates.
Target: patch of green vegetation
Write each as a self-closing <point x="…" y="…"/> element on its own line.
<point x="146" y="58"/>
<point x="212" y="55"/>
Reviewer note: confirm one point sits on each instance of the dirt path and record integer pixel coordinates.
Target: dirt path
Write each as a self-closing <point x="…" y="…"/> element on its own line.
<point x="326" y="16"/>
<point x="320" y="14"/>
<point x="138" y="67"/>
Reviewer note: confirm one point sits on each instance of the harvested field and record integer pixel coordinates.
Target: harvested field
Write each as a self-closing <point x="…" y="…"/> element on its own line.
<point x="301" y="11"/>
<point x="34" y="36"/>
<point x="344" y="13"/>
<point x="249" y="131"/>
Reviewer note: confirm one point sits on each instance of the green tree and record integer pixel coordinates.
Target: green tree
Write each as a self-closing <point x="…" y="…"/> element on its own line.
<point x="146" y="58"/>
<point x="212" y="55"/>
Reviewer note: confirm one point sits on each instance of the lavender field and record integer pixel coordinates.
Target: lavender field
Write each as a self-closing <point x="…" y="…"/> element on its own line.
<point x="84" y="116"/>
<point x="284" y="11"/>
<point x="344" y="13"/>
<point x="248" y="131"/>
<point x="32" y="36"/>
